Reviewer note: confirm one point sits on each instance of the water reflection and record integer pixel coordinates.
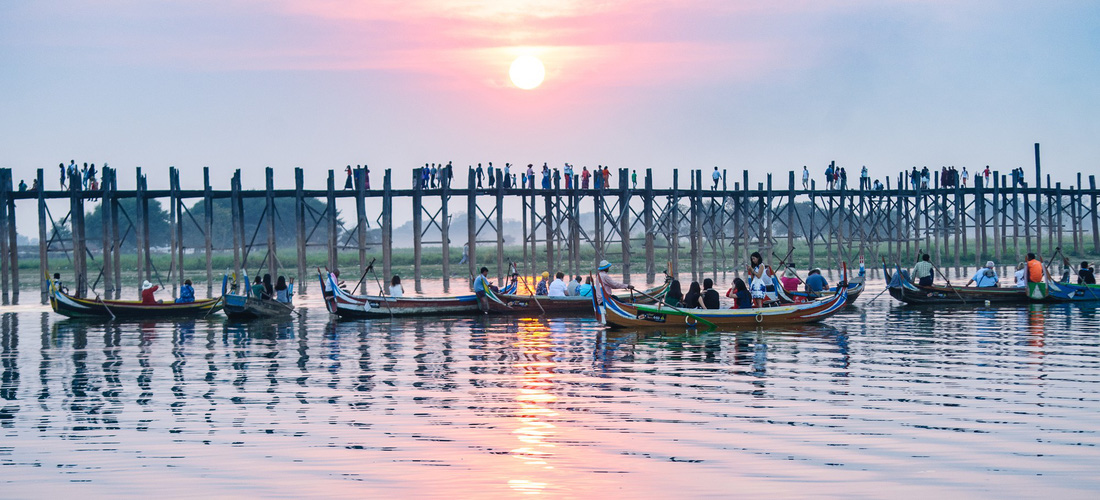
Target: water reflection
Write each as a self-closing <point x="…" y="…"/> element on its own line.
<point x="430" y="406"/>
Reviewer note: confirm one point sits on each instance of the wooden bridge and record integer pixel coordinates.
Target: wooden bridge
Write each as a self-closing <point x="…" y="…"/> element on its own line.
<point x="712" y="229"/>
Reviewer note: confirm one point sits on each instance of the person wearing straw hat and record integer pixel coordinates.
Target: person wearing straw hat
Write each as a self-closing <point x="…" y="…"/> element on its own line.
<point x="606" y="281"/>
<point x="985" y="277"/>
<point x="147" y="290"/>
<point x="790" y="280"/>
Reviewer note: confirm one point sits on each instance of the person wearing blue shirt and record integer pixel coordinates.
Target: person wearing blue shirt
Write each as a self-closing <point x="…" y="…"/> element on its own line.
<point x="481" y="284"/>
<point x="815" y="282"/>
<point x="585" y="290"/>
<point x="187" y="293"/>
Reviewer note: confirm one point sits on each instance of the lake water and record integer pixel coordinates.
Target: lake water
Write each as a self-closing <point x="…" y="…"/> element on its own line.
<point x="880" y="401"/>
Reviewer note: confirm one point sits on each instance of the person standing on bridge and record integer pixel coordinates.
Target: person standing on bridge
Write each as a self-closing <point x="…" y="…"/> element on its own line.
<point x="585" y="175"/>
<point x="480" y="173"/>
<point x="805" y="177"/>
<point x="492" y="175"/>
<point x="716" y="176"/>
<point x="965" y="177"/>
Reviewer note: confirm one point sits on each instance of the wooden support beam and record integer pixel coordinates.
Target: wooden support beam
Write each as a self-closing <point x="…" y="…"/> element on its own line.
<point x="500" y="224"/>
<point x="208" y="228"/>
<point x="624" y="221"/>
<point x="647" y="214"/>
<point x="76" y="224"/>
<point x="43" y="253"/>
<point x="330" y="216"/>
<point x="445" y="224"/>
<point x="471" y="226"/>
<point x="5" y="194"/>
<point x="418" y="214"/>
<point x="361" y="216"/>
<point x="387" y="224"/>
<point x="236" y="223"/>
<point x="116" y="235"/>
<point x="300" y="226"/>
<point x="272" y="254"/>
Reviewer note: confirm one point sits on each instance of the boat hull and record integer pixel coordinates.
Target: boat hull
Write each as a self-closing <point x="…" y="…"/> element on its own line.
<point x="1068" y="292"/>
<point x="905" y="291"/>
<point x="346" y="305"/>
<point x="557" y="306"/>
<point x="73" y="307"/>
<point x="239" y="307"/>
<point x="622" y="315"/>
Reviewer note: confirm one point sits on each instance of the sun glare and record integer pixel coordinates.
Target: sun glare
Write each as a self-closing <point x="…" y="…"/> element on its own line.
<point x="527" y="72"/>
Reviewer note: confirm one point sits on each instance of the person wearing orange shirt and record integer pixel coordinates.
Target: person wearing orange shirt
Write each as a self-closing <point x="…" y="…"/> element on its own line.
<point x="1036" y="287"/>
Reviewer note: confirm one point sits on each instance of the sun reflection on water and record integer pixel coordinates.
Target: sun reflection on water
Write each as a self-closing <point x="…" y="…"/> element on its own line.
<point x="534" y="369"/>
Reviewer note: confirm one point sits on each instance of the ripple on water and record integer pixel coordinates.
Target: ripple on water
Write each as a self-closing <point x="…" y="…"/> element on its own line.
<point x="881" y="400"/>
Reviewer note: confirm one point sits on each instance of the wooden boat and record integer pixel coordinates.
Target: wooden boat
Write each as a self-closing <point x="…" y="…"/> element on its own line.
<point x="73" y="307"/>
<point x="620" y="314"/>
<point x="248" y="307"/>
<point x="340" y="302"/>
<point x="615" y="313"/>
<point x="504" y="303"/>
<point x="904" y="290"/>
<point x="855" y="288"/>
<point x="1069" y="292"/>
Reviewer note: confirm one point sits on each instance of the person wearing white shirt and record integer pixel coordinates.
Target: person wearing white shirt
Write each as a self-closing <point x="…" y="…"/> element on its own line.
<point x="557" y="287"/>
<point x="805" y="177"/>
<point x="396" y="290"/>
<point x="1021" y="275"/>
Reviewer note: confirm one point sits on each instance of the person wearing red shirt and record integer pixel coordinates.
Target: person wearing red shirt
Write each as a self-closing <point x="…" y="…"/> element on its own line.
<point x="147" y="290"/>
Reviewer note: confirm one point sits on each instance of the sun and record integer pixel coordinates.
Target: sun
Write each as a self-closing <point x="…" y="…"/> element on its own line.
<point x="527" y="72"/>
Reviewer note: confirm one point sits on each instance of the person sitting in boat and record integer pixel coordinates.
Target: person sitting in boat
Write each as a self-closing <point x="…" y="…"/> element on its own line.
<point x="396" y="290"/>
<point x="571" y="288"/>
<point x="742" y="296"/>
<point x="815" y="282"/>
<point x="585" y="290"/>
<point x="710" y="295"/>
<point x="557" y="287"/>
<point x="187" y="293"/>
<point x="282" y="291"/>
<point x="542" y="287"/>
<point x="985" y="277"/>
<point x="1021" y="275"/>
<point x="258" y="288"/>
<point x="606" y="281"/>
<point x="674" y="296"/>
<point x="147" y="291"/>
<point x="790" y="279"/>
<point x="1035" y="274"/>
<point x="694" y="298"/>
<point x="1085" y="276"/>
<point x="57" y="283"/>
<point x="922" y="271"/>
<point x="481" y="284"/>
<point x="1065" y="270"/>
<point x="269" y="288"/>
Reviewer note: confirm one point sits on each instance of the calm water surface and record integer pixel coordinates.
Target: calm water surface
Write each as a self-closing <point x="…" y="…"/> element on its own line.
<point x="880" y="401"/>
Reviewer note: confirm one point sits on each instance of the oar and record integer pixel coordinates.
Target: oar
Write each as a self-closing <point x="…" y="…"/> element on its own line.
<point x="949" y="285"/>
<point x="361" y="278"/>
<point x="97" y="297"/>
<point x="533" y="296"/>
<point x="213" y="306"/>
<point x="784" y="261"/>
<point x="674" y="308"/>
<point x="380" y="290"/>
<point x="898" y="270"/>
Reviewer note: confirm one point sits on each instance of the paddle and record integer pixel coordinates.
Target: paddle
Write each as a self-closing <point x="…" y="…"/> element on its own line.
<point x="380" y="290"/>
<point x="898" y="270"/>
<point x="949" y="285"/>
<point x="533" y="296"/>
<point x="674" y="308"/>
<point x="97" y="297"/>
<point x="361" y="278"/>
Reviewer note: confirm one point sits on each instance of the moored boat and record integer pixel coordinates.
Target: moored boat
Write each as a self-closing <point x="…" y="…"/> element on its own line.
<point x="248" y="307"/>
<point x="902" y="289"/>
<point x="855" y="288"/>
<point x="340" y="302"/>
<point x="75" y="307"/>
<point x="506" y="303"/>
<point x="620" y="314"/>
<point x="1069" y="292"/>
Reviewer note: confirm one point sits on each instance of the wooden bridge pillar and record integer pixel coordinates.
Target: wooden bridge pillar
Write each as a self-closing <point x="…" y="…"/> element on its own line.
<point x="208" y="228"/>
<point x="272" y="255"/>
<point x="387" y="224"/>
<point x="80" y="249"/>
<point x="300" y="226"/>
<point x="417" y="201"/>
<point x="471" y="226"/>
<point x="330" y="217"/>
<point x="361" y="216"/>
<point x="624" y="221"/>
<point x="5" y="195"/>
<point x="445" y="225"/>
<point x="238" y="234"/>
<point x="647" y="214"/>
<point x="43" y="249"/>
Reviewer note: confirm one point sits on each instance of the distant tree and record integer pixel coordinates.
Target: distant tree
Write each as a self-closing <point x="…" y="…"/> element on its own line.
<point x="159" y="226"/>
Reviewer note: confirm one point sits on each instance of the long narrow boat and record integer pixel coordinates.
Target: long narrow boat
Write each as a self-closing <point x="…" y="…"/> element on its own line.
<point x="340" y="302"/>
<point x="74" y="307"/>
<point x="620" y="314"/>
<point x="505" y="303"/>
<point x="1069" y="292"/>
<point x="855" y="288"/>
<point x="248" y="307"/>
<point x="904" y="290"/>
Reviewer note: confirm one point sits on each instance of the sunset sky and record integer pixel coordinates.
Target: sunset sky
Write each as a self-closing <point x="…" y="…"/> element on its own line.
<point x="768" y="86"/>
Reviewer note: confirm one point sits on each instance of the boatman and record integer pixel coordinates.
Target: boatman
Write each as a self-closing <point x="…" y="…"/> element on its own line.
<point x="1036" y="288"/>
<point x="922" y="271"/>
<point x="606" y="282"/>
<point x="481" y="284"/>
